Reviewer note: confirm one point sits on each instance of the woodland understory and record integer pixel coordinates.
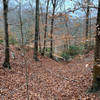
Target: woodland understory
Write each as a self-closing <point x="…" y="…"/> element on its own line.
<point x="47" y="79"/>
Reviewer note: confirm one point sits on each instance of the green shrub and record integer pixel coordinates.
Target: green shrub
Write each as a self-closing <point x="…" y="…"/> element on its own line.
<point x="74" y="50"/>
<point x="1" y="41"/>
<point x="66" y="55"/>
<point x="47" y="52"/>
<point x="12" y="41"/>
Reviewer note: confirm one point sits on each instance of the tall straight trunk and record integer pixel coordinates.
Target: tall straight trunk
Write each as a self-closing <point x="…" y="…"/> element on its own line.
<point x="39" y="43"/>
<point x="21" y="24"/>
<point x="42" y="16"/>
<point x="42" y="19"/>
<point x="6" y="63"/>
<point x="51" y="32"/>
<point x="45" y="33"/>
<point x="90" y="35"/>
<point x="36" y="31"/>
<point x="96" y="69"/>
<point x="67" y="39"/>
<point x="87" y="24"/>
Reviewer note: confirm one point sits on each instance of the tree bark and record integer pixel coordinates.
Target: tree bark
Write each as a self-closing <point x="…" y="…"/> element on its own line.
<point x="90" y="43"/>
<point x="36" y="31"/>
<point x="39" y="43"/>
<point x="46" y="21"/>
<point x="21" y="24"/>
<point x="6" y="63"/>
<point x="96" y="69"/>
<point x="68" y="31"/>
<point x="87" y="24"/>
<point x="51" y="32"/>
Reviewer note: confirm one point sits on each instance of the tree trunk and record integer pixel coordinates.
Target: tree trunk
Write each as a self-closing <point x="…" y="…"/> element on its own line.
<point x="45" y="34"/>
<point x="87" y="24"/>
<point x="52" y="23"/>
<point x="21" y="24"/>
<point x="6" y="63"/>
<point x="90" y="34"/>
<point x="36" y="31"/>
<point x="67" y="33"/>
<point x="96" y="69"/>
<point x="39" y="43"/>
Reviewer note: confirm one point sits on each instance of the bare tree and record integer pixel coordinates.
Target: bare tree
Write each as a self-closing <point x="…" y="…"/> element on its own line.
<point x="40" y="43"/>
<point x="87" y="24"/>
<point x="52" y="25"/>
<point x="6" y="63"/>
<point x="36" y="31"/>
<point x="96" y="69"/>
<point x="46" y="21"/>
<point x="21" y="23"/>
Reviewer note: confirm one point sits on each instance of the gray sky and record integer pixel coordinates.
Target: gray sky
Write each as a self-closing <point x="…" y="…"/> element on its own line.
<point x="68" y="4"/>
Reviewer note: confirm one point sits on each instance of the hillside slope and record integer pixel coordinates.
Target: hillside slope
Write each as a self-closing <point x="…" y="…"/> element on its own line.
<point x="48" y="80"/>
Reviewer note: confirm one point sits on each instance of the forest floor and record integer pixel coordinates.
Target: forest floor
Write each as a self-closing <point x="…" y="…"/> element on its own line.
<point x="48" y="79"/>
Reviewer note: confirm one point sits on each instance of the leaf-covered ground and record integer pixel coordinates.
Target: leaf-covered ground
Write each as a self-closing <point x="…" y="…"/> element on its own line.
<point x="48" y="79"/>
